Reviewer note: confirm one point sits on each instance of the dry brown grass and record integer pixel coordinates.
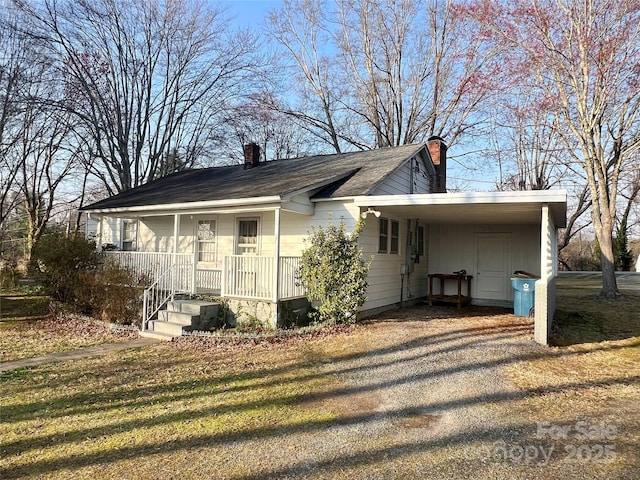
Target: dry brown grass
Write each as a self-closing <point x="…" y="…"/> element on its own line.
<point x="155" y="412"/>
<point x="177" y="410"/>
<point x="27" y="329"/>
<point x="595" y="376"/>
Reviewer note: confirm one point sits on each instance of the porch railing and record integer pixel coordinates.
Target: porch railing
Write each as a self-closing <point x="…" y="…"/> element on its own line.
<point x="241" y="276"/>
<point x="209" y="280"/>
<point x="248" y="277"/>
<point x="149" y="266"/>
<point x="289" y="283"/>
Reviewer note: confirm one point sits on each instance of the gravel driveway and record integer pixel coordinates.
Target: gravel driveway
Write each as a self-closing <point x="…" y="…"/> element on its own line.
<point x="425" y="399"/>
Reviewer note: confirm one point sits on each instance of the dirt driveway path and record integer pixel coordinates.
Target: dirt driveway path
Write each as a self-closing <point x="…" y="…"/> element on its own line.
<point x="428" y="398"/>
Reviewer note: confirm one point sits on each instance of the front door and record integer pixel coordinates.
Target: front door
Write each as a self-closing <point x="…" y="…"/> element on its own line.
<point x="493" y="264"/>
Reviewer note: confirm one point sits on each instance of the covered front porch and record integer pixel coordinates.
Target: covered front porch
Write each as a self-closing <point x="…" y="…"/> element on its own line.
<point x="242" y="278"/>
<point x="234" y="254"/>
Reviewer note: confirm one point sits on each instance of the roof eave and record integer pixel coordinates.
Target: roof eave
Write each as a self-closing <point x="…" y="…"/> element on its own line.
<point x="532" y="196"/>
<point x="557" y="199"/>
<point x="187" y="206"/>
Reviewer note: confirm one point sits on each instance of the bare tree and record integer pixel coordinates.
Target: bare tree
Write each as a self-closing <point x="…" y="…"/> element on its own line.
<point x="278" y="135"/>
<point x="36" y="152"/>
<point x="302" y="28"/>
<point x="48" y="156"/>
<point x="14" y="61"/>
<point x="377" y="73"/>
<point x="588" y="51"/>
<point x="531" y="153"/>
<point x="145" y="79"/>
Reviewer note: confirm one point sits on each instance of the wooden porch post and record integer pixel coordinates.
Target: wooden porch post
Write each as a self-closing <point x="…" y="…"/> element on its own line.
<point x="194" y="260"/>
<point x="176" y="238"/>
<point x="276" y="250"/>
<point x="99" y="233"/>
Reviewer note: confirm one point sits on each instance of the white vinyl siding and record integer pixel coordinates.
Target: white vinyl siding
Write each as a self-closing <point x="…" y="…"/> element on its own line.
<point x="295" y="228"/>
<point x="385" y="279"/>
<point x="403" y="180"/>
<point x="452" y="247"/>
<point x="109" y="229"/>
<point x="155" y="234"/>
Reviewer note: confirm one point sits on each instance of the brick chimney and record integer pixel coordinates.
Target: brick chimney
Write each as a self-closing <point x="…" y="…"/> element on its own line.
<point x="438" y="151"/>
<point x="251" y="155"/>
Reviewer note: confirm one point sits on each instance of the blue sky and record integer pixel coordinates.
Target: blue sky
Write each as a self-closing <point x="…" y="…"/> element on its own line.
<point x="247" y="12"/>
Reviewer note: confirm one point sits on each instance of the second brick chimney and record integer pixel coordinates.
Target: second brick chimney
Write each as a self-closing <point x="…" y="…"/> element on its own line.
<point x="438" y="151"/>
<point x="251" y="155"/>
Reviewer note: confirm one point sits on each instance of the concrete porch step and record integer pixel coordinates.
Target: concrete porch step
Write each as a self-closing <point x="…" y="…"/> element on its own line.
<point x="188" y="319"/>
<point x="170" y="328"/>
<point x="182" y="316"/>
<point x="156" y="335"/>
<point x="194" y="307"/>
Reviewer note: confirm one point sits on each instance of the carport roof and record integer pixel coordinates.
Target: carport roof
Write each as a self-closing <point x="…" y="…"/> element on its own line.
<point x="473" y="207"/>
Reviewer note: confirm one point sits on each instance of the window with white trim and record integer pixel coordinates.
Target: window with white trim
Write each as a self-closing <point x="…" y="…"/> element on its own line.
<point x="129" y="235"/>
<point x="247" y="237"/>
<point x="206" y="237"/>
<point x="389" y="236"/>
<point x="383" y="237"/>
<point x="394" y="246"/>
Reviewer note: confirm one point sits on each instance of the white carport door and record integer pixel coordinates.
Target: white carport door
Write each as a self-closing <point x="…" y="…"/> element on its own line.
<point x="493" y="253"/>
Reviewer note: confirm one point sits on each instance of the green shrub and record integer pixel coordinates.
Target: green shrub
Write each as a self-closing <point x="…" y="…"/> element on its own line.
<point x="110" y="293"/>
<point x="623" y="256"/>
<point x="8" y="277"/>
<point x="77" y="275"/>
<point x="60" y="262"/>
<point x="334" y="273"/>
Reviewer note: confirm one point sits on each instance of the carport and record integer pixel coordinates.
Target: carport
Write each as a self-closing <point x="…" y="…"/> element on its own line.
<point x="490" y="234"/>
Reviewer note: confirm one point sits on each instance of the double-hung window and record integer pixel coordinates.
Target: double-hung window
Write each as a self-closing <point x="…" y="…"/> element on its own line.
<point x="129" y="235"/>
<point x="383" y="237"/>
<point x="247" y="238"/>
<point x="395" y="237"/>
<point x="389" y="236"/>
<point x="206" y="241"/>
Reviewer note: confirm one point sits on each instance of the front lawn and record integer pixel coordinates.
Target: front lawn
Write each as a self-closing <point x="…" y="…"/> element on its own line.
<point x="157" y="412"/>
<point x="583" y="317"/>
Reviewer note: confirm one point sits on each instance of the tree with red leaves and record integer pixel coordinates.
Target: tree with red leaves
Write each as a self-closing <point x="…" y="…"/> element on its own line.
<point x="584" y="56"/>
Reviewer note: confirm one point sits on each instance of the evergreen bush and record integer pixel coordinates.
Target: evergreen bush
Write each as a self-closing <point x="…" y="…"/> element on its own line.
<point x="334" y="273"/>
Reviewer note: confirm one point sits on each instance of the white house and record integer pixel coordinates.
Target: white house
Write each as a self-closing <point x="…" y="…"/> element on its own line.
<point x="239" y="231"/>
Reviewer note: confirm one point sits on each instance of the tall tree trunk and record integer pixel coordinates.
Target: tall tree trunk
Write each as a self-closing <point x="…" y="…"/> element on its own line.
<point x="604" y="234"/>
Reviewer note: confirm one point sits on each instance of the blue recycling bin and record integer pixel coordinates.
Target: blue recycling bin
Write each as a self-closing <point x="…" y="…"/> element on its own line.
<point x="523" y="296"/>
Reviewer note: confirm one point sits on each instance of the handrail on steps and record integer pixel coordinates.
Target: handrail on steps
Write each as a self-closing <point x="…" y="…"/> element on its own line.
<point x="153" y="299"/>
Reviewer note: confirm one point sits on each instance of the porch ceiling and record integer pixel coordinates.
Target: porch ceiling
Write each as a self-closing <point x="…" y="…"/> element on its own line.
<point x="470" y="208"/>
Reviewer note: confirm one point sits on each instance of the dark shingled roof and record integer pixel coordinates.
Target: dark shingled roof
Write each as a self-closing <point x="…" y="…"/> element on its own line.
<point x="340" y="175"/>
